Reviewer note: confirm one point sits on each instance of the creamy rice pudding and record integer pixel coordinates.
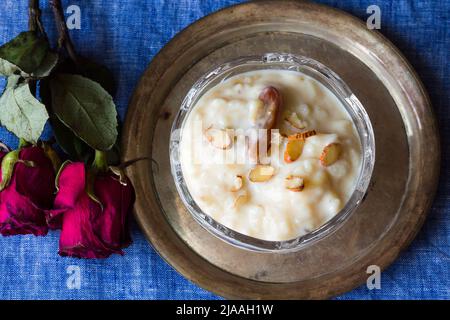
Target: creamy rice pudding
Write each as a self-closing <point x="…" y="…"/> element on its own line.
<point x="277" y="189"/>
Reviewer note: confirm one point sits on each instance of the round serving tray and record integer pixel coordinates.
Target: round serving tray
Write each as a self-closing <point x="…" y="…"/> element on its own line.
<point x="407" y="151"/>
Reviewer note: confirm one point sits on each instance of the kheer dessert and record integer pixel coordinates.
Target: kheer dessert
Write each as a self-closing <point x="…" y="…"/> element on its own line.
<point x="272" y="154"/>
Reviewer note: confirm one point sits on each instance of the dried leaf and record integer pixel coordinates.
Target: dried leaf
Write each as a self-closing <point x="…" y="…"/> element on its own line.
<point x="86" y="108"/>
<point x="20" y="112"/>
<point x="26" y="51"/>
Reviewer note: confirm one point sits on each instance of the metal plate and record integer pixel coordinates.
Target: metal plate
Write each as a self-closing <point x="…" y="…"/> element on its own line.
<point x="406" y="166"/>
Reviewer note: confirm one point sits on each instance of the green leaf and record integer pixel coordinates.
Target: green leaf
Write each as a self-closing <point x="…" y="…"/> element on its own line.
<point x="51" y="59"/>
<point x="74" y="147"/>
<point x="20" y="112"/>
<point x="86" y="108"/>
<point x="46" y="66"/>
<point x="70" y="143"/>
<point x="13" y="59"/>
<point x="26" y="51"/>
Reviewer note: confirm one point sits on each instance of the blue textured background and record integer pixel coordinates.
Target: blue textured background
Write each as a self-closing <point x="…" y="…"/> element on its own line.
<point x="125" y="35"/>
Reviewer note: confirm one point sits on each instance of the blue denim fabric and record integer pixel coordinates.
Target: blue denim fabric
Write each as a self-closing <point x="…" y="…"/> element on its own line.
<point x="125" y="35"/>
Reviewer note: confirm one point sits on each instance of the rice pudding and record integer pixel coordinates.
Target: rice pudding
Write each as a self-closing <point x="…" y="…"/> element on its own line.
<point x="277" y="188"/>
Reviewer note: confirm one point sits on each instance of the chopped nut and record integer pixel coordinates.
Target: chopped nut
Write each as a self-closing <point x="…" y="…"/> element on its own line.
<point x="237" y="183"/>
<point x="302" y="135"/>
<point x="294" y="149"/>
<point x="295" y="121"/>
<point x="265" y="118"/>
<point x="261" y="173"/>
<point x="272" y="101"/>
<point x="241" y="199"/>
<point x="330" y="154"/>
<point x="294" y="183"/>
<point x="219" y="138"/>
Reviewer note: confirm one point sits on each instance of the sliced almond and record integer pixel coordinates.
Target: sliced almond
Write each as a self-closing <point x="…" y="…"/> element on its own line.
<point x="237" y="184"/>
<point x="255" y="110"/>
<point x="295" y="121"/>
<point x="330" y="154"/>
<point x="241" y="199"/>
<point x="219" y="138"/>
<point x="266" y="118"/>
<point x="294" y="183"/>
<point x="294" y="149"/>
<point x="261" y="173"/>
<point x="302" y="135"/>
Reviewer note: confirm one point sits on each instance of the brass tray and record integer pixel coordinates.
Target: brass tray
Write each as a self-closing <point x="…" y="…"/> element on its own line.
<point x="407" y="151"/>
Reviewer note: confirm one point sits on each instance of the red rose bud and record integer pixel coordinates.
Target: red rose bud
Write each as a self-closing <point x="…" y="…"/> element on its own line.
<point x="27" y="191"/>
<point x="92" y="228"/>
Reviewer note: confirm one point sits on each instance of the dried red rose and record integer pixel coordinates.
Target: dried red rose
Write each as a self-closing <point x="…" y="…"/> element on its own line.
<point x="28" y="194"/>
<point x="91" y="230"/>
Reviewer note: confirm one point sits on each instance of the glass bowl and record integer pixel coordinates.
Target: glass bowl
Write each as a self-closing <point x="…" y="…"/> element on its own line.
<point x="275" y="61"/>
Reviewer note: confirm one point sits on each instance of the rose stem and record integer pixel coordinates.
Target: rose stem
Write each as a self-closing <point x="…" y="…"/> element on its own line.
<point x="33" y="7"/>
<point x="34" y="21"/>
<point x="64" y="37"/>
<point x="22" y="143"/>
<point x="33" y="13"/>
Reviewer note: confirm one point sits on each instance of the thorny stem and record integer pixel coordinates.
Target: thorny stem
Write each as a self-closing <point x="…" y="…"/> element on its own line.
<point x="64" y="37"/>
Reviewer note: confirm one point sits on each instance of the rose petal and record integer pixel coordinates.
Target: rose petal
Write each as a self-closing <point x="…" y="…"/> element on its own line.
<point x="30" y="192"/>
<point x="71" y="185"/>
<point x="88" y="231"/>
<point x="113" y="223"/>
<point x="38" y="182"/>
<point x="78" y="238"/>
